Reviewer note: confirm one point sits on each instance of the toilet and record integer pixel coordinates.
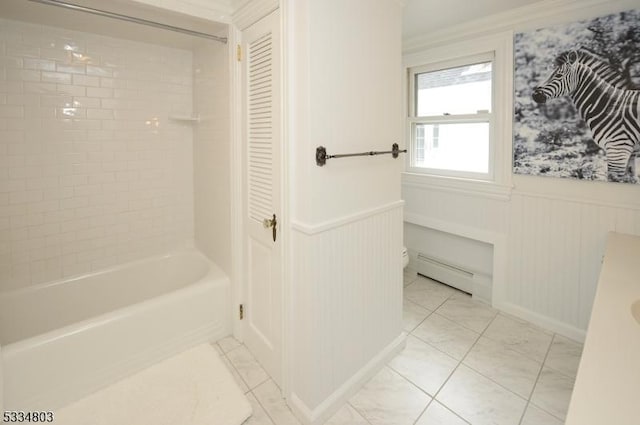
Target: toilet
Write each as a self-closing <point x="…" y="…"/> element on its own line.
<point x="405" y="257"/>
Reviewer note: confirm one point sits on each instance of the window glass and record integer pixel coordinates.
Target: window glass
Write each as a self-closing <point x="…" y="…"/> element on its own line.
<point x="460" y="147"/>
<point x="454" y="91"/>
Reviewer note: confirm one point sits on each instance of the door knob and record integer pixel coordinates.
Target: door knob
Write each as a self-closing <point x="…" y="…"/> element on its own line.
<point x="271" y="222"/>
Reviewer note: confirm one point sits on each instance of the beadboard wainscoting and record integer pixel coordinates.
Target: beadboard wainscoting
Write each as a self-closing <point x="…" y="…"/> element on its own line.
<point x="555" y="252"/>
<point x="347" y="318"/>
<point x="553" y="229"/>
<point x="548" y="240"/>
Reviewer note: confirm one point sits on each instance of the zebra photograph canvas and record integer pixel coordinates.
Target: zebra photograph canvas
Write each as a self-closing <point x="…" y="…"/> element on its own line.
<point x="577" y="100"/>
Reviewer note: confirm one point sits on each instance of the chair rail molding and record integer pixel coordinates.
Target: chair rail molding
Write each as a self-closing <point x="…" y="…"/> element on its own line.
<point x="312" y="229"/>
<point x="467" y="187"/>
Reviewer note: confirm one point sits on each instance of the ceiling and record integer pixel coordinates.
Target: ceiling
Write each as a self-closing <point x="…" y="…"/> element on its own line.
<point x="424" y="16"/>
<point x="420" y="16"/>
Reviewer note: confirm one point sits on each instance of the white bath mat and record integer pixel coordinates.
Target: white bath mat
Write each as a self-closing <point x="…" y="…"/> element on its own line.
<point x="192" y="388"/>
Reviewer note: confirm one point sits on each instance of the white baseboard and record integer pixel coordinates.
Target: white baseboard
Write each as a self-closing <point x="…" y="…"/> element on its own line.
<point x="338" y="398"/>
<point x="545" y="322"/>
<point x="482" y="288"/>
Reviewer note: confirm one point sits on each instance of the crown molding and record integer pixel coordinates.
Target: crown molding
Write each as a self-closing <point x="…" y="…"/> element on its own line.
<point x="543" y="13"/>
<point x="252" y="11"/>
<point x="211" y="10"/>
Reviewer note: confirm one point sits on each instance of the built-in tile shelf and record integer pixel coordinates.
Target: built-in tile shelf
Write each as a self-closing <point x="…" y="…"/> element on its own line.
<point x="185" y="118"/>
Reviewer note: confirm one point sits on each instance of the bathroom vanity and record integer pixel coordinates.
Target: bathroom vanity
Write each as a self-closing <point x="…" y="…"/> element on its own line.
<point x="607" y="388"/>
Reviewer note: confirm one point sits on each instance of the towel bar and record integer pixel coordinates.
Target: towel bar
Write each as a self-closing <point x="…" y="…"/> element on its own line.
<point x="322" y="156"/>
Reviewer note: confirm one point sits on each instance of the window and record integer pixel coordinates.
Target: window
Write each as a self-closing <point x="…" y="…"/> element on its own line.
<point x="450" y="120"/>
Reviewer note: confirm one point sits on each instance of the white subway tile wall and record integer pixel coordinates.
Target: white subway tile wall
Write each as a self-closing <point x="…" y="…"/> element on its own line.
<point x="93" y="172"/>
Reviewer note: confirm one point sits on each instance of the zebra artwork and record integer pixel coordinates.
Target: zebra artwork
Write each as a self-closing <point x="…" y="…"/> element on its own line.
<point x="577" y="99"/>
<point x="610" y="109"/>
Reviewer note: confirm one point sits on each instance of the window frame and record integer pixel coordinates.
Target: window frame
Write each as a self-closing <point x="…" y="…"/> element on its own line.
<point x="483" y="117"/>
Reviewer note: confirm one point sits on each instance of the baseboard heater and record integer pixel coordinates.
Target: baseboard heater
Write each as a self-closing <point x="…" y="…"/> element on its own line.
<point x="445" y="272"/>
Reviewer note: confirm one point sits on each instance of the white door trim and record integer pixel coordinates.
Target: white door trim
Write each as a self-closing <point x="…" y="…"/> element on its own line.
<point x="287" y="211"/>
<point x="236" y="152"/>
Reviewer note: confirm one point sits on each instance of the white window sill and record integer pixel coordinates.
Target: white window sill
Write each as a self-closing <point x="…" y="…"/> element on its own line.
<point x="470" y="187"/>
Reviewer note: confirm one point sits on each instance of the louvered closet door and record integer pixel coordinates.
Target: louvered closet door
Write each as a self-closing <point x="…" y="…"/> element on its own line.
<point x="263" y="289"/>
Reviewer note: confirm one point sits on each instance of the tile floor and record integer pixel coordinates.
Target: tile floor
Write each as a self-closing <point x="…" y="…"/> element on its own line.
<point x="464" y="363"/>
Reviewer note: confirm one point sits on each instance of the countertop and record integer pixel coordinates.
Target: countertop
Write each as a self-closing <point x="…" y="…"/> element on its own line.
<point x="607" y="388"/>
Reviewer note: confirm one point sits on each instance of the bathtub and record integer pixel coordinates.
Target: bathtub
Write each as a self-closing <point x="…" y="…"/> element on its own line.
<point x="65" y="339"/>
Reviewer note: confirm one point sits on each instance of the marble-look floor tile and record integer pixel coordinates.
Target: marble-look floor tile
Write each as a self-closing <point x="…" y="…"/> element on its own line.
<point x="390" y="399"/>
<point x="427" y="293"/>
<point x="468" y="313"/>
<point x="347" y="415"/>
<point x="236" y="377"/>
<point x="270" y="397"/>
<point x="437" y="414"/>
<point x="447" y="336"/>
<point x="217" y="348"/>
<point x="536" y="416"/>
<point x="479" y="400"/>
<point x="248" y="368"/>
<point x="259" y="416"/>
<point x="409" y="276"/>
<point x="229" y="343"/>
<point x="507" y="367"/>
<point x="412" y="315"/>
<point x="423" y="365"/>
<point x="461" y="294"/>
<point x="520" y="336"/>
<point x="553" y="392"/>
<point x="564" y="356"/>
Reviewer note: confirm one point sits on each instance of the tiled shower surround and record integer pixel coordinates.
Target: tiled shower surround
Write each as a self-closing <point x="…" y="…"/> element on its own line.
<point x="93" y="169"/>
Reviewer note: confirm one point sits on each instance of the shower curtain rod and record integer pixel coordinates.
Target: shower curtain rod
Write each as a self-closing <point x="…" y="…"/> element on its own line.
<point x="126" y="18"/>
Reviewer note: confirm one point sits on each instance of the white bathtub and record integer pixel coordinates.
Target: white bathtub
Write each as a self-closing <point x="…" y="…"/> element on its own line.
<point x="65" y="339"/>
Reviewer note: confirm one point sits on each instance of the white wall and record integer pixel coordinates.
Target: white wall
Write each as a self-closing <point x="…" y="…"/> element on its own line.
<point x="351" y="84"/>
<point x="550" y="232"/>
<point x="344" y="92"/>
<point x="93" y="172"/>
<point x="474" y="255"/>
<point x="211" y="146"/>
